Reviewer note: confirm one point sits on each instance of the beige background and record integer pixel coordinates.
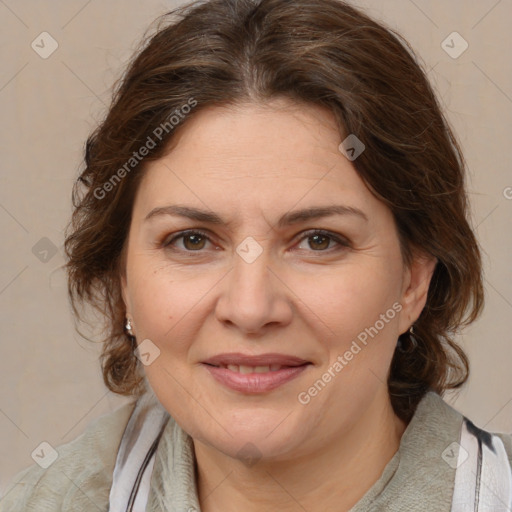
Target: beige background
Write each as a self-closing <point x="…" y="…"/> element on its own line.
<point x="50" y="385"/>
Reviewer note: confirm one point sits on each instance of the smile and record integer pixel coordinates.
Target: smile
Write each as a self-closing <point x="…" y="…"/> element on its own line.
<point x="254" y="379"/>
<point x="253" y="369"/>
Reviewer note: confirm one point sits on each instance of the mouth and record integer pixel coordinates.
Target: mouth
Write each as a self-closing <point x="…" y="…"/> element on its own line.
<point x="272" y="361"/>
<point x="253" y="369"/>
<point x="254" y="374"/>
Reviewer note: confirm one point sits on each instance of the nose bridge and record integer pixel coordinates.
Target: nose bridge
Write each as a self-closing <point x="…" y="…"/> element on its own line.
<point x="252" y="296"/>
<point x="251" y="273"/>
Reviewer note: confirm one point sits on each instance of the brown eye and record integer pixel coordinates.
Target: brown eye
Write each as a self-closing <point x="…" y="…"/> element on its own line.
<point x="193" y="241"/>
<point x="320" y="241"/>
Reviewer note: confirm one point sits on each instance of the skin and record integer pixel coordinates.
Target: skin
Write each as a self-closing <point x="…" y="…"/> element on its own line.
<point x="302" y="296"/>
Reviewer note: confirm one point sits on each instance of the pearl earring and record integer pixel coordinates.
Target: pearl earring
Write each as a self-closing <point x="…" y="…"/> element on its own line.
<point x="128" y="327"/>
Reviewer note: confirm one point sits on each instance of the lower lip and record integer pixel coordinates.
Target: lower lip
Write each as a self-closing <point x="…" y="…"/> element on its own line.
<point x="253" y="383"/>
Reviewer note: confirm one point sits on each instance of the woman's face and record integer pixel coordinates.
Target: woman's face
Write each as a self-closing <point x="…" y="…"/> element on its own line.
<point x="307" y="322"/>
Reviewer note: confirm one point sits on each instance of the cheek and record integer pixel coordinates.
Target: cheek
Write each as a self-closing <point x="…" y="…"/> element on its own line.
<point x="166" y="301"/>
<point x="155" y="300"/>
<point x="163" y="307"/>
<point x="344" y="302"/>
<point x="152" y="299"/>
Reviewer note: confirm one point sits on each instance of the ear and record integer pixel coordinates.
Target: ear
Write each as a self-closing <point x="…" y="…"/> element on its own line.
<point x="416" y="282"/>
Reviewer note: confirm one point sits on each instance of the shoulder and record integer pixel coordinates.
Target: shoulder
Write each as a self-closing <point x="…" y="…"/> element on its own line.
<point x="493" y="440"/>
<point x="498" y="443"/>
<point x="80" y="477"/>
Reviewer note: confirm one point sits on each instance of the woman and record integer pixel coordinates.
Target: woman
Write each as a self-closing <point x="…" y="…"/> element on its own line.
<point x="273" y="220"/>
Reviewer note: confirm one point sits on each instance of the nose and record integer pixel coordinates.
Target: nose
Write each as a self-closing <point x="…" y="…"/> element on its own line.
<point x="254" y="296"/>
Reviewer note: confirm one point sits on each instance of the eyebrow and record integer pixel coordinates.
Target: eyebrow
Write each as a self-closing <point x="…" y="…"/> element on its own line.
<point x="293" y="217"/>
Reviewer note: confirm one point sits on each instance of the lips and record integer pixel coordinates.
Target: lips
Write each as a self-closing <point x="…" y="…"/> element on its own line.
<point x="273" y="361"/>
<point x="254" y="374"/>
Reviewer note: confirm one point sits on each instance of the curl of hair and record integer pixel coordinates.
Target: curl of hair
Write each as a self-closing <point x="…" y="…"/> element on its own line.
<point x="320" y="52"/>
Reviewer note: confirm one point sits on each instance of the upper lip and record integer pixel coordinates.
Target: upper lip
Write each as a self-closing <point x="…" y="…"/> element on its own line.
<point x="255" y="360"/>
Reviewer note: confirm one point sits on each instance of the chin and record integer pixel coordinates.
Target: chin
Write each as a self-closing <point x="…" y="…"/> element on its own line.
<point x="250" y="451"/>
<point x="255" y="437"/>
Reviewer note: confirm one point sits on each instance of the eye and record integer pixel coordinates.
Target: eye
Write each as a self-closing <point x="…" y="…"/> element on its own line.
<point x="320" y="240"/>
<point x="193" y="240"/>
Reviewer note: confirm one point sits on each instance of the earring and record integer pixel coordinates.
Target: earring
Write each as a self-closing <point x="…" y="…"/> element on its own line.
<point x="414" y="341"/>
<point x="128" y="327"/>
<point x="412" y="345"/>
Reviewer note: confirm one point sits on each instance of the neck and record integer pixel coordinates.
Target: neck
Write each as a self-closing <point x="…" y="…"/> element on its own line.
<point x="334" y="476"/>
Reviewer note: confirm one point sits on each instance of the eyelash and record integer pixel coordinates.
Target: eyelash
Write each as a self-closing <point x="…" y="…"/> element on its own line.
<point x="341" y="241"/>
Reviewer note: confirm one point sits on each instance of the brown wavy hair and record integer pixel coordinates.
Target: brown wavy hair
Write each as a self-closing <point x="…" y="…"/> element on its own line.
<point x="319" y="52"/>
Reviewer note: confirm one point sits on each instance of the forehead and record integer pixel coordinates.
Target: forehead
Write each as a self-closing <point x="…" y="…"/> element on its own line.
<point x="272" y="132"/>
<point x="254" y="156"/>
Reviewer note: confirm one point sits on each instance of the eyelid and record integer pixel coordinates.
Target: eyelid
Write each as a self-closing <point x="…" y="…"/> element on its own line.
<point x="341" y="240"/>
